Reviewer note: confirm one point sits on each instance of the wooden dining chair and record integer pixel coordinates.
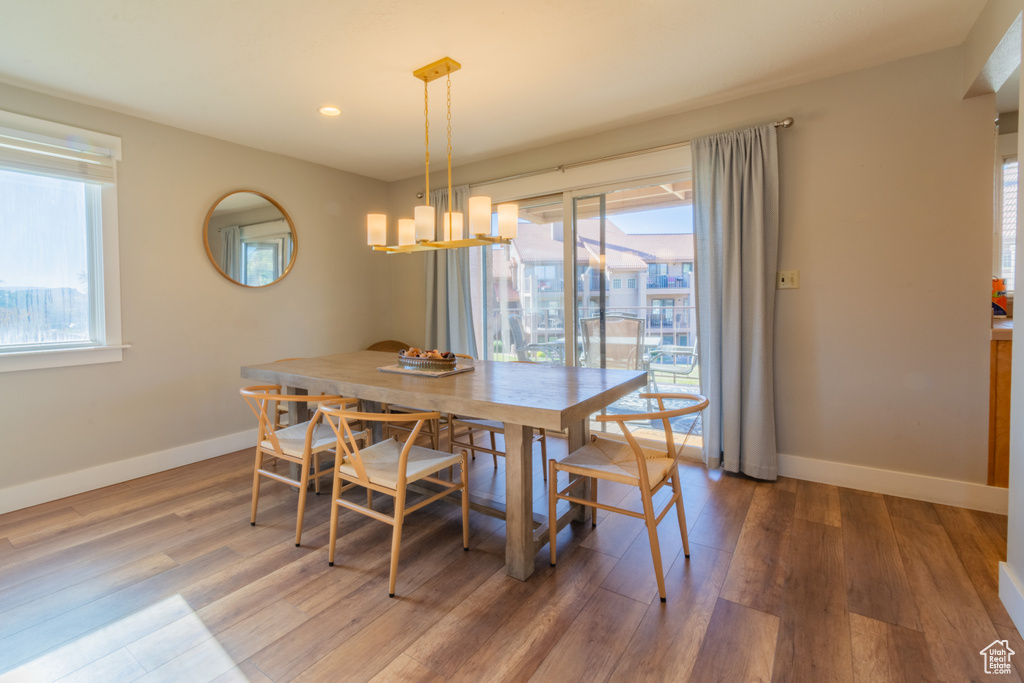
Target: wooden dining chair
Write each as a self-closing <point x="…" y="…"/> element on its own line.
<point x="431" y="430"/>
<point x="390" y="345"/>
<point x="389" y="467"/>
<point x="299" y="444"/>
<point x="632" y="464"/>
<point x="474" y="426"/>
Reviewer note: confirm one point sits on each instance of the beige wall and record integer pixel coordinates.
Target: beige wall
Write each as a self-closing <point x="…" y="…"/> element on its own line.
<point x="882" y="355"/>
<point x="190" y="329"/>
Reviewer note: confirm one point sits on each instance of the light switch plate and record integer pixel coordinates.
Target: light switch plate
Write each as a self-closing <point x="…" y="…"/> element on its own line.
<point x="787" y="279"/>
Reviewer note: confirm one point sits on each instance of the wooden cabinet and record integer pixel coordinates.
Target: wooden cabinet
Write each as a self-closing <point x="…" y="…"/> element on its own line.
<point x="999" y="414"/>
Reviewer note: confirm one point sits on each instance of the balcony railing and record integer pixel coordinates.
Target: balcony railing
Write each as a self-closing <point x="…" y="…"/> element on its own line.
<point x="668" y="281"/>
<point x="672" y="325"/>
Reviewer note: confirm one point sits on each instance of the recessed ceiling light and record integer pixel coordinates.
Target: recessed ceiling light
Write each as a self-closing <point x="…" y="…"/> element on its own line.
<point x="330" y="111"/>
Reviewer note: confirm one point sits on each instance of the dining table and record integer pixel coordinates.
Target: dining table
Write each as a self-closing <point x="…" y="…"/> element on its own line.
<point x="523" y="396"/>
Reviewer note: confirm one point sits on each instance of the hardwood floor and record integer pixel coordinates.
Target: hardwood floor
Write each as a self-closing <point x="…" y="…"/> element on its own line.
<point x="162" y="578"/>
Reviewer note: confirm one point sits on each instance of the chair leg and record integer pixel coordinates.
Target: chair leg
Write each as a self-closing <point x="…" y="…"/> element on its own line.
<point x="396" y="540"/>
<point x="494" y="447"/>
<point x="593" y="497"/>
<point x="552" y="506"/>
<point x="677" y="495"/>
<point x="544" y="453"/>
<point x="256" y="485"/>
<point x="335" y="494"/>
<point x="435" y="437"/>
<point x="303" y="485"/>
<point x="652" y="533"/>
<point x="465" y="500"/>
<point x="316" y="473"/>
<point x="369" y="498"/>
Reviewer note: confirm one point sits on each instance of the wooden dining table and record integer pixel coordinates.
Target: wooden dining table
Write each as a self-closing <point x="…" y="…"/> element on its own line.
<point x="523" y="396"/>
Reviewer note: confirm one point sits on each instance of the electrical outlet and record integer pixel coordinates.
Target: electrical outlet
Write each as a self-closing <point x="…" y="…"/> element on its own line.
<point x="787" y="279"/>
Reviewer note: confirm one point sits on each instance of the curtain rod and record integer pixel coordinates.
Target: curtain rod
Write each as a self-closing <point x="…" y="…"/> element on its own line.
<point x="784" y="123"/>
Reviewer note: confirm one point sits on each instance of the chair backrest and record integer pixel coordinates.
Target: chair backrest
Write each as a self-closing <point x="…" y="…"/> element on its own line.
<point x="389" y="345"/>
<point x="263" y="400"/>
<point x="515" y="324"/>
<point x="624" y="338"/>
<point x="699" y="403"/>
<point x="349" y="449"/>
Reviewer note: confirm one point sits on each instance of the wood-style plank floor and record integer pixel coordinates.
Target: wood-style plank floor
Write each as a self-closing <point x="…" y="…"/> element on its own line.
<point x="163" y="579"/>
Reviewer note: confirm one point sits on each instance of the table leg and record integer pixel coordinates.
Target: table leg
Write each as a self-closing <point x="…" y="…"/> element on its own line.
<point x="297" y="410"/>
<point x="519" y="547"/>
<point x="376" y="428"/>
<point x="579" y="435"/>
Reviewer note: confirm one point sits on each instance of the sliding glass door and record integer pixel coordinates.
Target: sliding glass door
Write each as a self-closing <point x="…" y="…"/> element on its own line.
<point x="634" y="289"/>
<point x="519" y="289"/>
<point x="601" y="278"/>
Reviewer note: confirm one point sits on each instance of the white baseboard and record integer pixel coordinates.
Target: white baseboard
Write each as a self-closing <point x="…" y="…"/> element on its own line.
<point x="1012" y="594"/>
<point x="63" y="485"/>
<point x="917" y="486"/>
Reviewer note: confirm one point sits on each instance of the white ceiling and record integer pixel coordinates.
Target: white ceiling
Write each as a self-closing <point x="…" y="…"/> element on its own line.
<point x="534" y="71"/>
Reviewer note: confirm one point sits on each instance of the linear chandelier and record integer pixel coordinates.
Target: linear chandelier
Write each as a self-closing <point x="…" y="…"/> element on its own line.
<point x="420" y="233"/>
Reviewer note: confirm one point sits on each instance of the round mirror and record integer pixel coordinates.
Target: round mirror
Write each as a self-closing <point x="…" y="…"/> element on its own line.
<point x="250" y="238"/>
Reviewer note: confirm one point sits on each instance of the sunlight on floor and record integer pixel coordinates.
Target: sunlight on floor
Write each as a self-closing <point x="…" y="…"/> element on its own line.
<point x="176" y="646"/>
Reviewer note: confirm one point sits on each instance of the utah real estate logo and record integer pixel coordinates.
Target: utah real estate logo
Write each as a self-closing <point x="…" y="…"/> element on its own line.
<point x="997" y="657"/>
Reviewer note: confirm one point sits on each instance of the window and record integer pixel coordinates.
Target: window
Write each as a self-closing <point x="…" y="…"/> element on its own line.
<point x="59" y="286"/>
<point x="617" y="283"/>
<point x="518" y="290"/>
<point x="549" y="278"/>
<point x="1008" y="260"/>
<point x="661" y="313"/>
<point x="600" y="222"/>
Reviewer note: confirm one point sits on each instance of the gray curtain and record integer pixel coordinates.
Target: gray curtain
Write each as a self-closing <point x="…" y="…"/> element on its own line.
<point x="232" y="259"/>
<point x="449" y="308"/>
<point x="736" y="229"/>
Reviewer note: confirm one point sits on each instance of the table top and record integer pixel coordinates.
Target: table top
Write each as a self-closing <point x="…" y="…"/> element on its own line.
<point x="547" y="396"/>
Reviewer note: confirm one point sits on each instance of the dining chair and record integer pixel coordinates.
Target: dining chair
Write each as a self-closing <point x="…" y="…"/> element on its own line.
<point x="623" y="342"/>
<point x="395" y="346"/>
<point x="389" y="467"/>
<point x="388" y="345"/>
<point x="632" y="464"/>
<point x="532" y="351"/>
<point x="300" y="444"/>
<point x="432" y="430"/>
<point x="492" y="428"/>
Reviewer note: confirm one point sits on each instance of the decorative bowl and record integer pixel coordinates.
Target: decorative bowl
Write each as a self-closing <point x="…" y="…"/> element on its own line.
<point x="426" y="364"/>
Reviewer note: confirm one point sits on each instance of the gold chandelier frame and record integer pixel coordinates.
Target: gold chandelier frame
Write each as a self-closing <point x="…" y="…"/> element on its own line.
<point x="411" y="231"/>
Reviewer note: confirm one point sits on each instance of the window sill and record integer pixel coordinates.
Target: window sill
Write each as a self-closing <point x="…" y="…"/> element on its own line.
<point x="61" y="358"/>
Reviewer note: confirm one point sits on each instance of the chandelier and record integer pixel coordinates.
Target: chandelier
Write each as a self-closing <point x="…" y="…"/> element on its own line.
<point x="420" y="233"/>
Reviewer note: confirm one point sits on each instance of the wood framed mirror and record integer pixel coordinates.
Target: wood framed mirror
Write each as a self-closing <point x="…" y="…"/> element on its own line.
<point x="250" y="238"/>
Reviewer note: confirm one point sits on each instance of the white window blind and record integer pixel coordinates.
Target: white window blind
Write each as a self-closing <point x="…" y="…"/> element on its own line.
<point x="71" y="153"/>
